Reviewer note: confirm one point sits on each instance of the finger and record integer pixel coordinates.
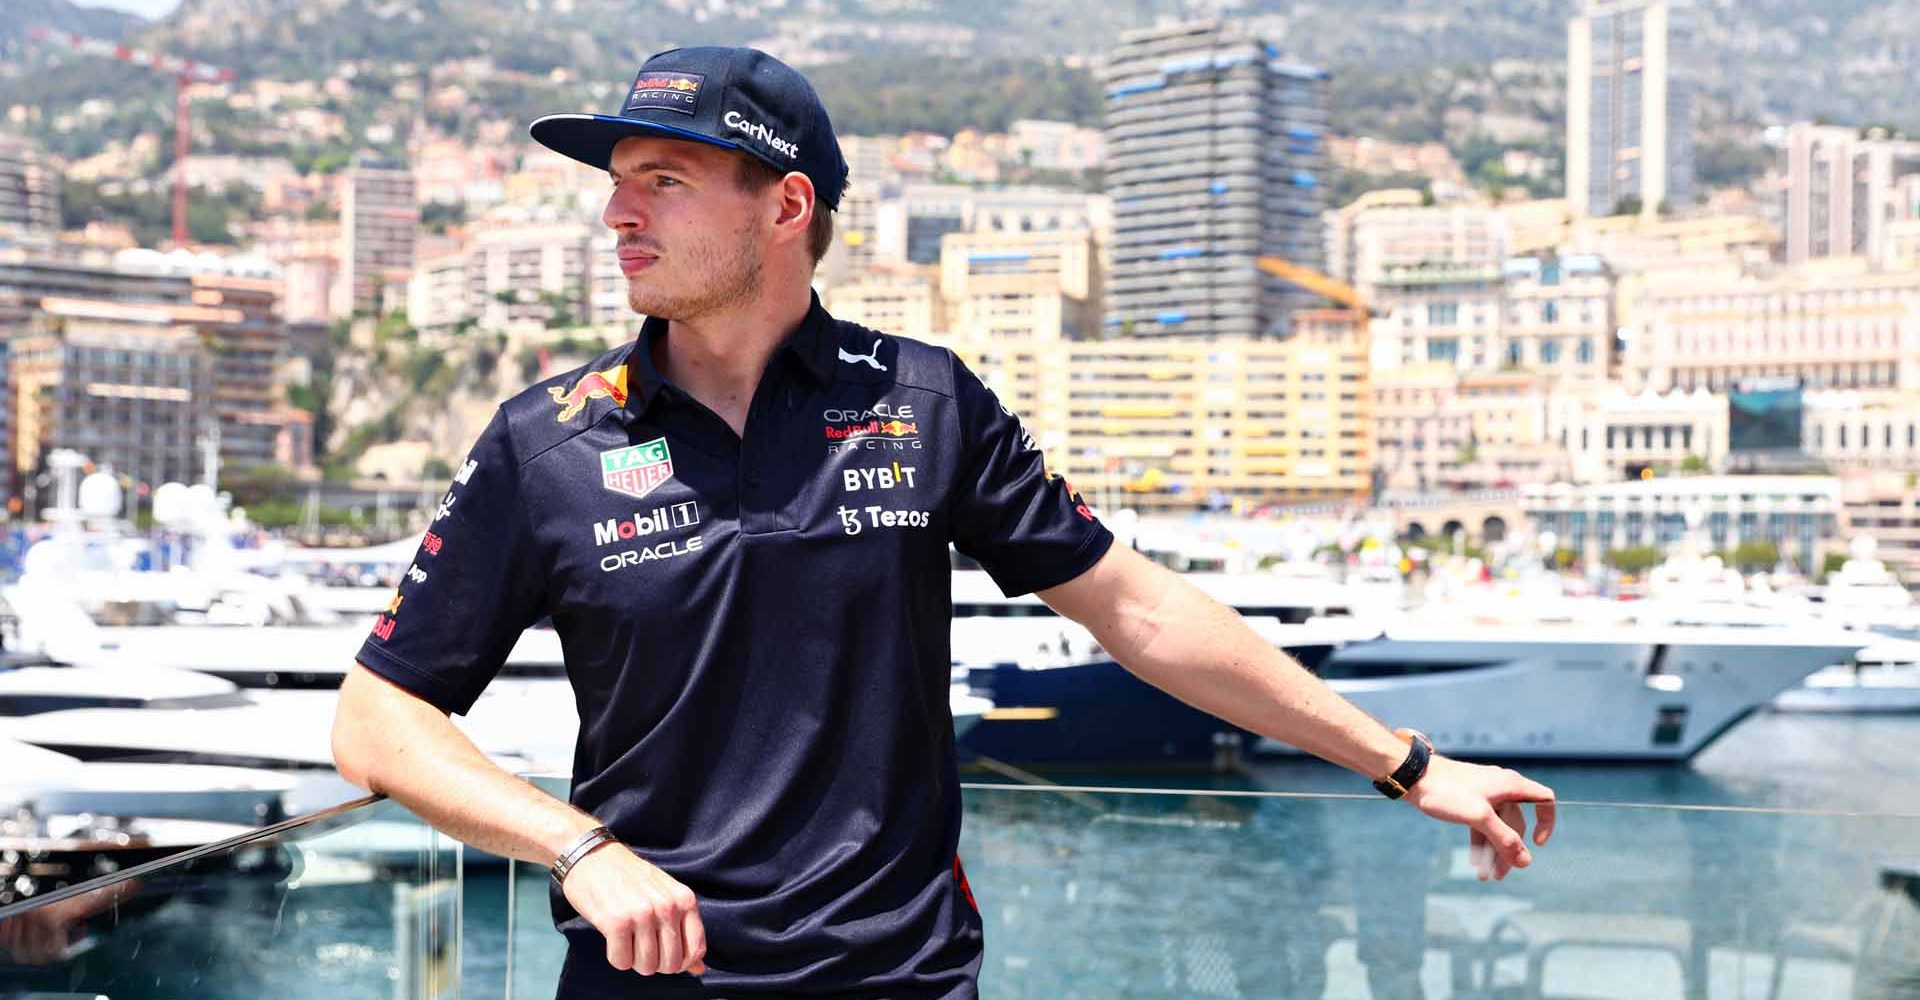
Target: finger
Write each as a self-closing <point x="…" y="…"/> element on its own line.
<point x="695" y="935"/>
<point x="1505" y="844"/>
<point x="620" y="946"/>
<point x="1510" y="815"/>
<point x="1479" y="855"/>
<point x="672" y="956"/>
<point x="1545" y="815"/>
<point x="1516" y="820"/>
<point x="646" y="945"/>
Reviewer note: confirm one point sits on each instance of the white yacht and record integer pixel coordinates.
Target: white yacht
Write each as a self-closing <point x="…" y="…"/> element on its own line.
<point x="1493" y="679"/>
<point x="1865" y="594"/>
<point x="1884" y="678"/>
<point x="1619" y="692"/>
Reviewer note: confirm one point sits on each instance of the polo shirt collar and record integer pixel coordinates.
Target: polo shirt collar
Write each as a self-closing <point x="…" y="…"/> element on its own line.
<point x="814" y="345"/>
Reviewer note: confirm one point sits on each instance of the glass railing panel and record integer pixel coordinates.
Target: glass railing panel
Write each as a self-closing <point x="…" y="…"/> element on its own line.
<point x="536" y="950"/>
<point x="364" y="902"/>
<point x="1103" y="894"/>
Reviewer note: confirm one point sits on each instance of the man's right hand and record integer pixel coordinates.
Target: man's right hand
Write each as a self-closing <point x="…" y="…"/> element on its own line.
<point x="651" y="922"/>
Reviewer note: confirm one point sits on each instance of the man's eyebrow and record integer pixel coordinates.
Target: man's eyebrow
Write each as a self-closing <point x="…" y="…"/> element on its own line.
<point x="674" y="166"/>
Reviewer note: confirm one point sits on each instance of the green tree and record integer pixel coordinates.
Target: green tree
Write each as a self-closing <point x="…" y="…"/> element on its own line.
<point x="1635" y="559"/>
<point x="1755" y="555"/>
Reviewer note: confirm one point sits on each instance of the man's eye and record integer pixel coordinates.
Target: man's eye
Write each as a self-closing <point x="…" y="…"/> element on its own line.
<point x="667" y="182"/>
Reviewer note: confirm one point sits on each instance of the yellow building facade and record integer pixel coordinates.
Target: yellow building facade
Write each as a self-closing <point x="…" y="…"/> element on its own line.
<point x="1161" y="425"/>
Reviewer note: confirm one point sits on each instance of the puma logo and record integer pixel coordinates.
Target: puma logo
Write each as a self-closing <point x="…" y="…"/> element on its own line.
<point x="870" y="358"/>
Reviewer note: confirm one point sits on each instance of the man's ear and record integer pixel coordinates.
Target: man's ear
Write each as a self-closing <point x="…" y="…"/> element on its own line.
<point x="797" y="205"/>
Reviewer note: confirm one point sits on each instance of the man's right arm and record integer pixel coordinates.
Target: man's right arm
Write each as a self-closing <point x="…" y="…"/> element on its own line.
<point x="387" y="740"/>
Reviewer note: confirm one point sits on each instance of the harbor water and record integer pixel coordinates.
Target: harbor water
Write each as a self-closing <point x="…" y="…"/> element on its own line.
<point x="1278" y="882"/>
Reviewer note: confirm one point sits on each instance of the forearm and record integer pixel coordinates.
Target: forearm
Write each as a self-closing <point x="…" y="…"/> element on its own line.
<point x="1172" y="635"/>
<point x="392" y="743"/>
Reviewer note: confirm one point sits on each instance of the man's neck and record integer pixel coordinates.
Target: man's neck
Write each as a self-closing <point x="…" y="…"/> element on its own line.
<point x="718" y="359"/>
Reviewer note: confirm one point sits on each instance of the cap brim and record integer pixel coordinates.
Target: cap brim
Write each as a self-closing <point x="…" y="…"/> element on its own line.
<point x="591" y="138"/>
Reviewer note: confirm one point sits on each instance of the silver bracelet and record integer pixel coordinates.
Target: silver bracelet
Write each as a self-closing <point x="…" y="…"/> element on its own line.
<point x="581" y="848"/>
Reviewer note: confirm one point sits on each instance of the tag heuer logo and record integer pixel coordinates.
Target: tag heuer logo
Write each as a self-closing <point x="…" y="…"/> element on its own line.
<point x="638" y="470"/>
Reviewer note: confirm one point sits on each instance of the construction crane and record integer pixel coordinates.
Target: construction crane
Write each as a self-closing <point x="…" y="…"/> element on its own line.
<point x="1315" y="282"/>
<point x="185" y="72"/>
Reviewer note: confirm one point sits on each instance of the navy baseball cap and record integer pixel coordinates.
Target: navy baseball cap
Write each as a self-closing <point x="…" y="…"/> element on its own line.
<point x="736" y="98"/>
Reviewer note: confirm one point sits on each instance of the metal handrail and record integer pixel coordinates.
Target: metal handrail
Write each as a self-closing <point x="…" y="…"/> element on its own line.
<point x="190" y="854"/>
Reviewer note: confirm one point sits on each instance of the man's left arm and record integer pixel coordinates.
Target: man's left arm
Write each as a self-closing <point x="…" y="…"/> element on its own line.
<point x="1173" y="636"/>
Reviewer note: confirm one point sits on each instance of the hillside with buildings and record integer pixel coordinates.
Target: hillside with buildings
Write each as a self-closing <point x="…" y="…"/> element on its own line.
<point x="1211" y="272"/>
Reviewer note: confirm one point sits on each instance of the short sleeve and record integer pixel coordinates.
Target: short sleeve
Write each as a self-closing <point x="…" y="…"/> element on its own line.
<point x="1027" y="529"/>
<point x="472" y="589"/>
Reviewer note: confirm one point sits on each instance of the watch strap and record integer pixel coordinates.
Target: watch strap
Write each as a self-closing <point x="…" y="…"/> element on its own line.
<point x="1411" y="770"/>
<point x="580" y="849"/>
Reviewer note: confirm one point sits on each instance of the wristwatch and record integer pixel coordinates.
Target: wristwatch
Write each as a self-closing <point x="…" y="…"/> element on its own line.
<point x="581" y="848"/>
<point x="1419" y="752"/>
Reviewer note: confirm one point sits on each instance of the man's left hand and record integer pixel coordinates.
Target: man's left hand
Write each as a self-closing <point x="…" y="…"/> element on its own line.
<point x="1487" y="800"/>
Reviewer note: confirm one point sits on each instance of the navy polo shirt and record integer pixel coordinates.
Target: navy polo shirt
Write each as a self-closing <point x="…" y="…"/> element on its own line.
<point x="756" y="628"/>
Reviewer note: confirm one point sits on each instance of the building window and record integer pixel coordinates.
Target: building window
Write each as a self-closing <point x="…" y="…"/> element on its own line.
<point x="1443" y="314"/>
<point x="1584" y="352"/>
<point x="1550" y="311"/>
<point x="1550" y="351"/>
<point x="1443" y="349"/>
<point x="1515" y="353"/>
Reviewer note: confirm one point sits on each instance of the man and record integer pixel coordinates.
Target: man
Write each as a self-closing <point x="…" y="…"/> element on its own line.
<point x="739" y="526"/>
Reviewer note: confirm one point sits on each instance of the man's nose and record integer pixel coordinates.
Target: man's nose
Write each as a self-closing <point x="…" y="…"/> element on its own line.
<point x="623" y="210"/>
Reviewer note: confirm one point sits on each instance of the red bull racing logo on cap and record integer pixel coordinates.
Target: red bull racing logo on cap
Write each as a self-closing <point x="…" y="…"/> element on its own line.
<point x="608" y="384"/>
<point x="638" y="470"/>
<point x="657" y="90"/>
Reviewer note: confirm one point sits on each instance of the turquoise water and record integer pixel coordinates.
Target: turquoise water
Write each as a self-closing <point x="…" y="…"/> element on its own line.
<point x="1216" y="890"/>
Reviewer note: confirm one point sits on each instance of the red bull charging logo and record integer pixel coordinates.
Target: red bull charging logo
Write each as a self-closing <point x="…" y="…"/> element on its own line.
<point x="887" y="428"/>
<point x="608" y="384"/>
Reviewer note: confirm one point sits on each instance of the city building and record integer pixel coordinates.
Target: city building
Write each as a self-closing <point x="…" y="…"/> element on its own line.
<point x="29" y="187"/>
<point x="1635" y="243"/>
<point x="1386" y="158"/>
<point x="9" y="471"/>
<point x="1885" y="506"/>
<point x="379" y="219"/>
<point x="1862" y="428"/>
<point x="1844" y="189"/>
<point x="1216" y="156"/>
<point x="1161" y="425"/>
<point x="903" y="301"/>
<point x="869" y="172"/>
<point x="1038" y="285"/>
<point x="247" y="341"/>
<point x="1052" y="145"/>
<point x="527" y="275"/>
<point x="1558" y="317"/>
<point x="36" y="268"/>
<point x="1421" y="433"/>
<point x="910" y="220"/>
<point x="1440" y="429"/>
<point x="128" y="386"/>
<point x="1608" y="433"/>
<point x="1831" y="324"/>
<point x="1629" y="104"/>
<point x="1798" y="514"/>
<point x="1393" y="228"/>
<point x="1437" y="312"/>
